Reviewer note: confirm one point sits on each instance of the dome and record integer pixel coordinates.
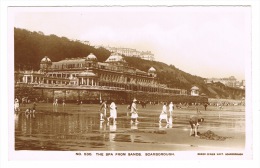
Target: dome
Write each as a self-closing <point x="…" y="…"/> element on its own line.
<point x="152" y="69"/>
<point x="46" y="59"/>
<point x="91" y="57"/>
<point x="115" y="58"/>
<point x="87" y="74"/>
<point x="194" y="88"/>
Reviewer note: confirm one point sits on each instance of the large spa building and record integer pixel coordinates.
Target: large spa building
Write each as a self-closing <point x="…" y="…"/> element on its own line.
<point x="88" y="79"/>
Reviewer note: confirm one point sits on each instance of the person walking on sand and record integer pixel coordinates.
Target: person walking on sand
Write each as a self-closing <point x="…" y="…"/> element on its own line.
<point x="103" y="110"/>
<point x="63" y="102"/>
<point x="197" y="108"/>
<point x="194" y="123"/>
<point x="171" y="107"/>
<point x="134" y="114"/>
<point x="34" y="107"/>
<point x="205" y="106"/>
<point x="163" y="115"/>
<point x="128" y="109"/>
<point x="113" y="112"/>
<point x="55" y="102"/>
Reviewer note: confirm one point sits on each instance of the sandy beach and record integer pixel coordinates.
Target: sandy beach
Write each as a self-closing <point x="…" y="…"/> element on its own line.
<point x="78" y="128"/>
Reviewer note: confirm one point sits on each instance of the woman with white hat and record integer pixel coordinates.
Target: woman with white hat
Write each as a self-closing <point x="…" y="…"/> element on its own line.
<point x="163" y="115"/>
<point x="134" y="114"/>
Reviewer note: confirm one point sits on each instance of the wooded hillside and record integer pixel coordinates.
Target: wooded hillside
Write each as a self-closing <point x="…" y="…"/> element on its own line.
<point x="31" y="47"/>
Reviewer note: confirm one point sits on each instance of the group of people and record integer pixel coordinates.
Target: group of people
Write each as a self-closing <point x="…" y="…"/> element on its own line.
<point x="133" y="111"/>
<point x="164" y="115"/>
<point x="28" y="110"/>
<point x="194" y="120"/>
<point x="113" y="111"/>
<point x="31" y="110"/>
<point x="56" y="102"/>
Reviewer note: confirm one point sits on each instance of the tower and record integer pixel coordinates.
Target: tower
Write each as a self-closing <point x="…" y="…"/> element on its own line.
<point x="45" y="64"/>
<point x="91" y="61"/>
<point x="152" y="72"/>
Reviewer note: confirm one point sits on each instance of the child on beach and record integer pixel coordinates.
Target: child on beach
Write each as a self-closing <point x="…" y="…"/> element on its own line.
<point x="103" y="110"/>
<point x="27" y="111"/>
<point x="16" y="105"/>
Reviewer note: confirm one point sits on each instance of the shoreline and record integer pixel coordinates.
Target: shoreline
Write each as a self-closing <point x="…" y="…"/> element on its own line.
<point x="147" y="135"/>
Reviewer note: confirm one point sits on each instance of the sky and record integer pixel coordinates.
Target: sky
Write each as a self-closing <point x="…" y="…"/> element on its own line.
<point x="207" y="41"/>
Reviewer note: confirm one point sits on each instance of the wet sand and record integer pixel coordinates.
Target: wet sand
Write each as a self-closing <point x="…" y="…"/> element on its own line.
<point x="78" y="128"/>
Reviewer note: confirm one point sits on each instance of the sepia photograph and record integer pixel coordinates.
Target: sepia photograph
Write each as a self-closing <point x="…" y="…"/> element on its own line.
<point x="124" y="82"/>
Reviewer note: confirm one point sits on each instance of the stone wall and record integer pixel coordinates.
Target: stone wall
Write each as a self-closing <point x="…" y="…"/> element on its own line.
<point x="92" y="96"/>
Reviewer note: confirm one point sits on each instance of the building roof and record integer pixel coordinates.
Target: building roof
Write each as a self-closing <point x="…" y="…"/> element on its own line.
<point x="232" y="78"/>
<point x="71" y="61"/>
<point x="115" y="58"/>
<point x="152" y="69"/>
<point x="140" y="72"/>
<point x="46" y="59"/>
<point x="91" y="57"/>
<point x="87" y="74"/>
<point x="194" y="88"/>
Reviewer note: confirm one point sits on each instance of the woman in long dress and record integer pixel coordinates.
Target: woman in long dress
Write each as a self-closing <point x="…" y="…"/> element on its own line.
<point x="113" y="112"/>
<point x="171" y="107"/>
<point x="134" y="114"/>
<point x="163" y="115"/>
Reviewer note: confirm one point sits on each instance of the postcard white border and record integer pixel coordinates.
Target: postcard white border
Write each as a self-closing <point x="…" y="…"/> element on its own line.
<point x="7" y="73"/>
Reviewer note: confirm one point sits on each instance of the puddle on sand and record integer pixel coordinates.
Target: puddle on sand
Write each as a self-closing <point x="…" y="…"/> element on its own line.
<point x="82" y="129"/>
